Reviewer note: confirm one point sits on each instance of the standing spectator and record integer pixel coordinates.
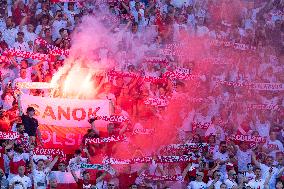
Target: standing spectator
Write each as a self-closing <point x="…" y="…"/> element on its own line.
<point x="60" y="21"/>
<point x="231" y="180"/>
<point x="258" y="182"/>
<point x="20" y="181"/>
<point x="216" y="183"/>
<point x="267" y="169"/>
<point x="273" y="145"/>
<point x="198" y="183"/>
<point x="30" y="123"/>
<point x="29" y="33"/>
<point x="20" y="44"/>
<point x="222" y="156"/>
<point x="106" y="94"/>
<point x="10" y="33"/>
<point x="43" y="11"/>
<point x="20" y="12"/>
<point x="41" y="171"/>
<point x="44" y="23"/>
<point x="249" y="174"/>
<point x="243" y="154"/>
<point x="75" y="163"/>
<point x="86" y="182"/>
<point x="23" y="78"/>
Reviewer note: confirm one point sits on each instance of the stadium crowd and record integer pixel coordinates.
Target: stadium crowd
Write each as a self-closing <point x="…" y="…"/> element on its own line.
<point x="207" y="109"/>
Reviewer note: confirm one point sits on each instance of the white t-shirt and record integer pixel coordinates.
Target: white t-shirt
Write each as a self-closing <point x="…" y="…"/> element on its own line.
<point x="263" y="128"/>
<point x="102" y="185"/>
<point x="230" y="183"/>
<point x="40" y="178"/>
<point x="196" y="185"/>
<point x="2" y="24"/>
<point x="63" y="177"/>
<point x="9" y="35"/>
<point x="243" y="159"/>
<point x="249" y="176"/>
<point x="57" y="25"/>
<point x="201" y="31"/>
<point x="222" y="157"/>
<point x="215" y="130"/>
<point x="30" y="36"/>
<point x="135" y="14"/>
<point x="274" y="146"/>
<point x="216" y="185"/>
<point x="25" y="180"/>
<point x="256" y="184"/>
<point x="21" y="46"/>
<point x="76" y="166"/>
<point x="265" y="173"/>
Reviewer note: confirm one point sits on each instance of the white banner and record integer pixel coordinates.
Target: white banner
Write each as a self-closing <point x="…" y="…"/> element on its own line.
<point x="35" y="85"/>
<point x="268" y="86"/>
<point x="65" y="112"/>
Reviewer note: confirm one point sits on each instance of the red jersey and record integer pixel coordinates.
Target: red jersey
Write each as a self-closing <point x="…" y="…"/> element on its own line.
<point x="125" y="180"/>
<point x="81" y="184"/>
<point x="14" y="166"/>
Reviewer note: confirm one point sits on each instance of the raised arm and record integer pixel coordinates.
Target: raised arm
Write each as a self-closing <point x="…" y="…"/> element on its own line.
<point x="254" y="160"/>
<point x="280" y="172"/>
<point x="88" y="154"/>
<point x="210" y="172"/>
<point x="125" y="6"/>
<point x="39" y="136"/>
<point x="74" y="176"/>
<point x="186" y="169"/>
<point x="51" y="165"/>
<point x="100" y="178"/>
<point x="266" y="183"/>
<point x="20" y="105"/>
<point x="123" y="129"/>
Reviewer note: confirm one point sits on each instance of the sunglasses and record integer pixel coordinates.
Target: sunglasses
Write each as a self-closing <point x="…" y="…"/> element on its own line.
<point x="111" y="185"/>
<point x="199" y="175"/>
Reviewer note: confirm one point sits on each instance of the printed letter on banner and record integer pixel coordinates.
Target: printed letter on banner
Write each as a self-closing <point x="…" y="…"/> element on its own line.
<point x="74" y="107"/>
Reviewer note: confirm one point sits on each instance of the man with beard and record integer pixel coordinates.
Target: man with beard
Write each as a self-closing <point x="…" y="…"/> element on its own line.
<point x="222" y="156"/>
<point x="24" y="137"/>
<point x="86" y="182"/>
<point x="17" y="158"/>
<point x="258" y="182"/>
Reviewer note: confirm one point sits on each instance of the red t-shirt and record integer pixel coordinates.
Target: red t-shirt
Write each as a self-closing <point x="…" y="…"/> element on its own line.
<point x="19" y="14"/>
<point x="125" y="180"/>
<point x="85" y="185"/>
<point x="5" y="125"/>
<point x="14" y="166"/>
<point x="192" y="173"/>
